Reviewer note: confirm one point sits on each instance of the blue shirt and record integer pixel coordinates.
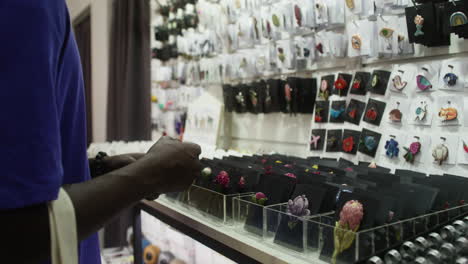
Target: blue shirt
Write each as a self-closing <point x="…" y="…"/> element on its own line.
<point x="42" y="111"/>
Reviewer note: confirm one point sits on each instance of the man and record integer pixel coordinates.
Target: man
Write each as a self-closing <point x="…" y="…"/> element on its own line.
<point x="43" y="141"/>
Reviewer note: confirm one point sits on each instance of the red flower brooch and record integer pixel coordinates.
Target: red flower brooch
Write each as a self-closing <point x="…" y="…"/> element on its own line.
<point x="371" y="114"/>
<point x="348" y="144"/>
<point x="341" y="84"/>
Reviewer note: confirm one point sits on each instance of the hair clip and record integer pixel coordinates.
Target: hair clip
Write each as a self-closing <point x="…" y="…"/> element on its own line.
<point x="222" y="179"/>
<point x="372" y="113"/>
<point x="357" y="83"/>
<point x="392" y="148"/>
<point x="332" y="142"/>
<point x="370" y="143"/>
<point x="398" y="83"/>
<point x="341" y="84"/>
<point x="423" y="83"/>
<point x="324" y="93"/>
<point x="375" y="80"/>
<point x="253" y="98"/>
<point x="419" y="22"/>
<point x="412" y="151"/>
<point x="421" y="112"/>
<point x="395" y="115"/>
<point x="259" y="198"/>
<point x="356" y="42"/>
<point x="448" y="113"/>
<point x="241" y="182"/>
<point x="315" y="140"/>
<point x="318" y="115"/>
<point x="440" y="153"/>
<point x="352" y="113"/>
<point x="465" y="147"/>
<point x="458" y="19"/>
<point x="299" y="207"/>
<point x="348" y="144"/>
<point x="336" y="113"/>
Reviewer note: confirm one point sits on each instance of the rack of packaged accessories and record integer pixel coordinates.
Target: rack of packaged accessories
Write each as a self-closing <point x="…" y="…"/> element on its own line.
<point x="170" y="95"/>
<point x="448" y="244"/>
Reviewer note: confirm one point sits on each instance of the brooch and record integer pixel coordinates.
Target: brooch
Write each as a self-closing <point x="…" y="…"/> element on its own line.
<point x="206" y="172"/>
<point x="299" y="207"/>
<point x="240" y="99"/>
<point x="275" y="20"/>
<point x="372" y="114"/>
<point x="222" y="179"/>
<point x="395" y="114"/>
<point x="356" y="42"/>
<point x="412" y="151"/>
<point x="450" y="79"/>
<point x="298" y="15"/>
<point x="341" y="84"/>
<point x="392" y="148"/>
<point x="319" y="48"/>
<point x="357" y="83"/>
<point x="448" y="113"/>
<point x="465" y="147"/>
<point x="336" y="113"/>
<point x="421" y="112"/>
<point x="318" y="115"/>
<point x="352" y="113"/>
<point x="440" y="153"/>
<point x="419" y="21"/>
<point x="458" y="19"/>
<point x="315" y="140"/>
<point x="370" y="143"/>
<point x="423" y="83"/>
<point x="351" y="216"/>
<point x="259" y="198"/>
<point x="350" y="4"/>
<point x="331" y="142"/>
<point x="398" y="83"/>
<point x="324" y="90"/>
<point x="241" y="182"/>
<point x="348" y="144"/>
<point x="375" y="80"/>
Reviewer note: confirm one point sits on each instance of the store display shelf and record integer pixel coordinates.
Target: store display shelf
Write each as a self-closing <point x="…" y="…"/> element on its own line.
<point x="226" y="239"/>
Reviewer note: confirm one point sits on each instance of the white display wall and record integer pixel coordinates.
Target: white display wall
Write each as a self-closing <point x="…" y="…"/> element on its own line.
<point x="290" y="134"/>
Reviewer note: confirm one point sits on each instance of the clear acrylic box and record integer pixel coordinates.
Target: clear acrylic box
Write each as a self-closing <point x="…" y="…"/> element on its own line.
<point x="369" y="242"/>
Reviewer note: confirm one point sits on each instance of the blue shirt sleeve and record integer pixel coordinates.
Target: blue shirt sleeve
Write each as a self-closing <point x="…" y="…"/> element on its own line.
<point x="30" y="158"/>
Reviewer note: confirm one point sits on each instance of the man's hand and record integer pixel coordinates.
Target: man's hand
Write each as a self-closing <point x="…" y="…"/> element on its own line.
<point x="119" y="161"/>
<point x="169" y="166"/>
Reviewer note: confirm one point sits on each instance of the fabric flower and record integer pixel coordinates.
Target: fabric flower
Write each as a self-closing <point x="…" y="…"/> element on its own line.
<point x="290" y="175"/>
<point x="371" y="114"/>
<point x="348" y="144"/>
<point x="299" y="206"/>
<point x="351" y="215"/>
<point x="259" y="198"/>
<point x="289" y="166"/>
<point x="392" y="149"/>
<point x="345" y="229"/>
<point x="287" y="92"/>
<point x="223" y="179"/>
<point x="340" y="84"/>
<point x="206" y="172"/>
<point x="242" y="182"/>
<point x="268" y="170"/>
<point x="372" y="165"/>
<point x="412" y="151"/>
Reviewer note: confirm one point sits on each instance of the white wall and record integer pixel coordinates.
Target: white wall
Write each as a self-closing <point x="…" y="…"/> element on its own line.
<point x="100" y="39"/>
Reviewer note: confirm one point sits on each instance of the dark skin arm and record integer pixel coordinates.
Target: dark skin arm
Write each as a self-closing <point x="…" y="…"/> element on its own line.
<point x="168" y="166"/>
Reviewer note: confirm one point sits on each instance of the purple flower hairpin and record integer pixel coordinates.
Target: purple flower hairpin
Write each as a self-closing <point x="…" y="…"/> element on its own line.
<point x="298" y="207"/>
<point x="259" y="198"/>
<point x="222" y="179"/>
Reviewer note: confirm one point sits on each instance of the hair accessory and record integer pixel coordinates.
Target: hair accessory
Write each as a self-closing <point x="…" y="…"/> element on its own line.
<point x="222" y="179"/>
<point x="319" y="48"/>
<point x="206" y="172"/>
<point x="332" y="142"/>
<point x="350" y="4"/>
<point x="340" y="84"/>
<point x="448" y="113"/>
<point x="241" y="182"/>
<point x="398" y="83"/>
<point x="315" y="140"/>
<point x="450" y="79"/>
<point x="324" y="93"/>
<point x="421" y="112"/>
<point x="423" y="83"/>
<point x="392" y="148"/>
<point x="253" y="97"/>
<point x="375" y="80"/>
<point x="440" y="153"/>
<point x="344" y="234"/>
<point x="419" y="21"/>
<point x="275" y="20"/>
<point x="370" y="143"/>
<point x="348" y="144"/>
<point x="372" y="165"/>
<point x="336" y="113"/>
<point x="287" y="96"/>
<point x="458" y="19"/>
<point x="352" y="113"/>
<point x="298" y="15"/>
<point x="412" y="151"/>
<point x="357" y="83"/>
<point x="386" y="32"/>
<point x="290" y="175"/>
<point x="318" y="115"/>
<point x="465" y="147"/>
<point x="356" y="42"/>
<point x="259" y="198"/>
<point x="299" y="207"/>
<point x="281" y="55"/>
<point x="240" y="99"/>
<point x="372" y="113"/>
